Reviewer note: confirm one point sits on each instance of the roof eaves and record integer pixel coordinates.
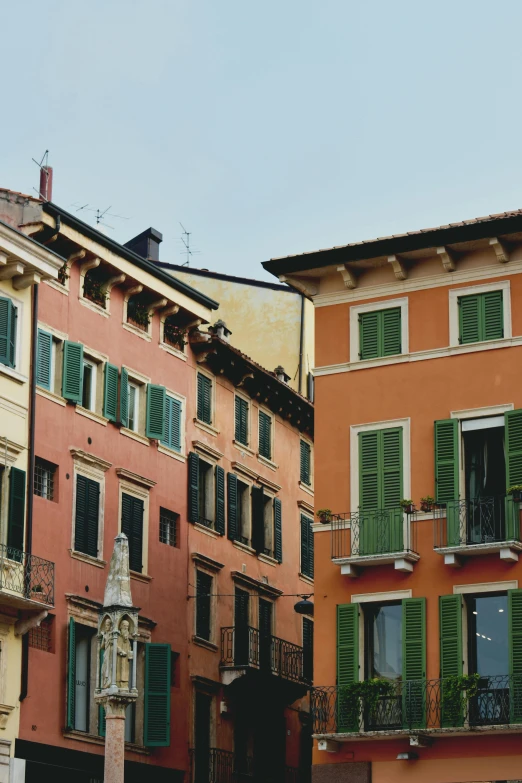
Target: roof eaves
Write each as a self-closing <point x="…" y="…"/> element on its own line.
<point x="225" y="277"/>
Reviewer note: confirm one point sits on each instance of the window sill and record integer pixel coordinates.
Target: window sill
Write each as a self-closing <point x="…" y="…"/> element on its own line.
<point x="92" y="415"/>
<point x="244" y="449"/>
<point x="206" y="427"/>
<point x="306" y="488"/>
<point x="267" y="559"/>
<point x="49" y="395"/>
<point x="137" y="331"/>
<point x="134" y="436"/>
<point x="16" y="376"/>
<point x="207" y="530"/>
<point x="94" y="739"/>
<point x="145" y="578"/>
<point x="267" y="462"/>
<point x="93" y="306"/>
<point x="304" y="578"/>
<point x="57" y="286"/>
<point x="95" y="561"/>
<point x="173" y="351"/>
<point x="244" y="547"/>
<point x="204" y="643"/>
<point x="171" y="453"/>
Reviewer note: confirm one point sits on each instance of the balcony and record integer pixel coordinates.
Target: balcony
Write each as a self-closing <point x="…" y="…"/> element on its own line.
<point x="489" y="525"/>
<point x="214" y="765"/>
<point x="420" y="707"/>
<point x="371" y="538"/>
<point x="26" y="581"/>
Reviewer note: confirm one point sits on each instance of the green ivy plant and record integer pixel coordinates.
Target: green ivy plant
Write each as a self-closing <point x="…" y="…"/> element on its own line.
<point x="62" y="274"/>
<point x="363" y="697"/>
<point x="456" y="691"/>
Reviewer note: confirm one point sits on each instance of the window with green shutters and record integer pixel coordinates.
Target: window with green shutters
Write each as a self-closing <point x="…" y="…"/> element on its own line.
<point x="204" y="584"/>
<point x="265" y="435"/>
<point x="156" y="730"/>
<point x="156" y="404"/>
<point x="241" y="420"/>
<point x="16" y="513"/>
<point x="124" y="397"/>
<point x="305" y="463"/>
<point x="204" y="399"/>
<point x="72" y="372"/>
<point x="132" y="510"/>
<point x="307" y="547"/>
<point x="44" y="360"/>
<point x="8" y="318"/>
<point x="86" y="517"/>
<point x="481" y="317"/>
<point x="172" y="435"/>
<point x="380" y="333"/>
<point x="110" y="392"/>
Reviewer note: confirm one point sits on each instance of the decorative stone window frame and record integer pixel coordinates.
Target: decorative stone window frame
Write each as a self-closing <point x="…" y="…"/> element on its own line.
<point x="98" y="360"/>
<point x="95" y="468"/>
<point x="271" y="463"/>
<point x="371" y="307"/>
<point x="138" y="487"/>
<point x="456" y="293"/>
<point x="180" y="353"/>
<point x="145" y="334"/>
<point x="212" y="568"/>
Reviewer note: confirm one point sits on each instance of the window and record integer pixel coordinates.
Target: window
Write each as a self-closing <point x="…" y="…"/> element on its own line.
<point x="87" y="513"/>
<point x="8" y="318"/>
<point x="239" y="527"/>
<point x="488" y="649"/>
<point x="380" y="333"/>
<point x="44" y="473"/>
<point x="41" y="636"/>
<point x="305" y="462"/>
<point x="206" y="501"/>
<point x="202" y="736"/>
<point x="307" y="547"/>
<point x="265" y="634"/>
<point x="267" y="535"/>
<point x="133" y="393"/>
<point x="241" y="627"/>
<point x="132" y="511"/>
<point x="44" y="360"/>
<point x="204" y="584"/>
<point x="241" y="420"/>
<point x="204" y="399"/>
<point x="156" y="406"/>
<point x="172" y="436"/>
<point x="88" y="400"/>
<point x="72" y="372"/>
<point x="206" y="493"/>
<point x="383" y="641"/>
<point x="265" y="435"/>
<point x="82" y="653"/>
<point x="481" y="317"/>
<point x="308" y="649"/>
<point x="16" y="513"/>
<point x="168" y="527"/>
<point x="158" y="667"/>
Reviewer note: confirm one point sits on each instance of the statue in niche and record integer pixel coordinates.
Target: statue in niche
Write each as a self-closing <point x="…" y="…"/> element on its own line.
<point x="106" y="646"/>
<point x="125" y="656"/>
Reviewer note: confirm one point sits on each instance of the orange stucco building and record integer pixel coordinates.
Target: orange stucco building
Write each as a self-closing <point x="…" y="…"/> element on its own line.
<point x="418" y="652"/>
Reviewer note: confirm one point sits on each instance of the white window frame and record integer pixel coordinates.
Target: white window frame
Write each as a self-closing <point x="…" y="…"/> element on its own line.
<point x="247" y="502"/>
<point x="87" y="361"/>
<point x="135" y="407"/>
<point x="371" y="307"/>
<point x="456" y="293"/>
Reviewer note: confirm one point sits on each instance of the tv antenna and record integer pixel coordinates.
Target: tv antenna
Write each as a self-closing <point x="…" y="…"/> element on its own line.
<point x="99" y="214"/>
<point x="46" y="177"/>
<point x="188" y="251"/>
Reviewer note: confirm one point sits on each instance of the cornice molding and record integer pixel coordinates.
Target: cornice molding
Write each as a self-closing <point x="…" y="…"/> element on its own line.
<point x="135" y="478"/>
<point x="207" y="562"/>
<point x="83" y="457"/>
<point x="262" y="587"/>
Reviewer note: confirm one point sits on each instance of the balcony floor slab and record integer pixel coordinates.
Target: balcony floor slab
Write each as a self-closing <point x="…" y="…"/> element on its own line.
<point x="402" y="561"/>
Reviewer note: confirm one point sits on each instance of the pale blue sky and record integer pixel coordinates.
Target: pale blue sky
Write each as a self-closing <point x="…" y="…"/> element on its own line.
<point x="266" y="128"/>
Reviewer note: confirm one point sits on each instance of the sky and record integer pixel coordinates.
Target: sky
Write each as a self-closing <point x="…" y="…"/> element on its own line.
<point x="265" y="128"/>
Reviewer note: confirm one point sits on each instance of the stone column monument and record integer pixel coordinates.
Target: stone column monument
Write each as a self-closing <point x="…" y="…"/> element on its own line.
<point x="117" y="646"/>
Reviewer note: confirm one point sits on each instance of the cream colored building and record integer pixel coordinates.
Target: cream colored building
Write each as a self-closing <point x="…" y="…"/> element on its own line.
<point x="26" y="582"/>
<point x="270" y="322"/>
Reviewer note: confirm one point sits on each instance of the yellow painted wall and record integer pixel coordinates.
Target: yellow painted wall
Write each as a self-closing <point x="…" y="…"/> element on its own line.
<point x="265" y="322"/>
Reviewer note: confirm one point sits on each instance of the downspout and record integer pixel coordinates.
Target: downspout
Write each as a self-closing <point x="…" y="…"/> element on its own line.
<point x="301" y="341"/>
<point x="30" y="479"/>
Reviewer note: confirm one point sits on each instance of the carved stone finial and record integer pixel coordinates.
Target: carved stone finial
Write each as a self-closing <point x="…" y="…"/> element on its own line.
<point x="118" y="589"/>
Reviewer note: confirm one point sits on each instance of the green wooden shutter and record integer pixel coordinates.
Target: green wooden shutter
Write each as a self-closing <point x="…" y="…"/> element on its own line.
<point x="86" y="516"/>
<point x="203" y="604"/>
<point x="305" y="454"/>
<point x="265" y="435"/>
<point x="380" y="487"/>
<point x="369" y="453"/>
<point x="72" y="375"/>
<point x="233" y="532"/>
<point x="220" y="500"/>
<point x="447" y="475"/>
<point x="124" y="397"/>
<point x="278" y="530"/>
<point x="44" y="347"/>
<point x="175" y="424"/>
<point x="348" y="709"/>
<point x="156" y="400"/>
<point x="16" y="514"/>
<point x="305" y="552"/>
<point x="241" y="421"/>
<point x="450" y="619"/>
<point x="492" y="309"/>
<point x="258" y="520"/>
<point x="391" y="331"/>
<point x="515" y="654"/>
<point x="414" y="662"/>
<point x="513" y="448"/>
<point x="204" y="399"/>
<point x="8" y="317"/>
<point x="369" y="335"/>
<point x="110" y="395"/>
<point x="469" y="319"/>
<point x="71" y="675"/>
<point x="391" y="470"/>
<point x="132" y="525"/>
<point x="193" y="487"/>
<point x="156" y="731"/>
<point x="308" y="649"/>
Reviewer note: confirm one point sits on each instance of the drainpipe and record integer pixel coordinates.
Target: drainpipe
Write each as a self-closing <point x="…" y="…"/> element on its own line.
<point x="301" y="340"/>
<point x="30" y="479"/>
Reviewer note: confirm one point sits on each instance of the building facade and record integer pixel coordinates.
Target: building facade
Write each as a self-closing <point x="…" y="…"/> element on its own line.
<point x="26" y="577"/>
<point x="418" y="471"/>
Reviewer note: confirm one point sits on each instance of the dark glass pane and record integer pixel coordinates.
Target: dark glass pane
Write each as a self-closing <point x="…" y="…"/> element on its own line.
<point x="386" y="642"/>
<point x="489" y="636"/>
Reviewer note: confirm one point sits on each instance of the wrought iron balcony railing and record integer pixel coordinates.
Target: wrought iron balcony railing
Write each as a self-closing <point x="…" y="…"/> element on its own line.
<point x="482" y="521"/>
<point x="420" y="705"/>
<point x="214" y="765"/>
<point x="377" y="532"/>
<point x="244" y="646"/>
<point x="26" y="576"/>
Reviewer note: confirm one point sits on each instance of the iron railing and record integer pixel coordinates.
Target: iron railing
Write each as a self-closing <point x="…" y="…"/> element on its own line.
<point x="244" y="646"/>
<point x="377" y="532"/>
<point x="26" y="575"/>
<point x="214" y="765"/>
<point x="485" y="520"/>
<point x="420" y="704"/>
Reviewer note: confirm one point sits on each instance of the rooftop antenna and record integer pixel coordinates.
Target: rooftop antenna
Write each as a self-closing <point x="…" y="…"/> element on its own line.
<point x="185" y="238"/>
<point x="99" y="214"/>
<point x="46" y="177"/>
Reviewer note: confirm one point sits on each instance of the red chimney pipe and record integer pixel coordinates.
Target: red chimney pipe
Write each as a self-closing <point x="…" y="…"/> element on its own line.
<point x="46" y="183"/>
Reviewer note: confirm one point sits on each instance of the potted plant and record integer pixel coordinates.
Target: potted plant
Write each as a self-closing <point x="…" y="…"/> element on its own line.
<point x="427" y="503"/>
<point x="138" y="313"/>
<point x="175" y="335"/>
<point x="408" y="505"/>
<point x="516" y="492"/>
<point x="93" y="290"/>
<point x="325" y="515"/>
<point x="62" y="274"/>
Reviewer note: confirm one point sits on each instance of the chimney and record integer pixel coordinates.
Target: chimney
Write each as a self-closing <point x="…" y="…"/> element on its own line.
<point x="146" y="244"/>
<point x="221" y="330"/>
<point x="46" y="183"/>
<point x="281" y="375"/>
